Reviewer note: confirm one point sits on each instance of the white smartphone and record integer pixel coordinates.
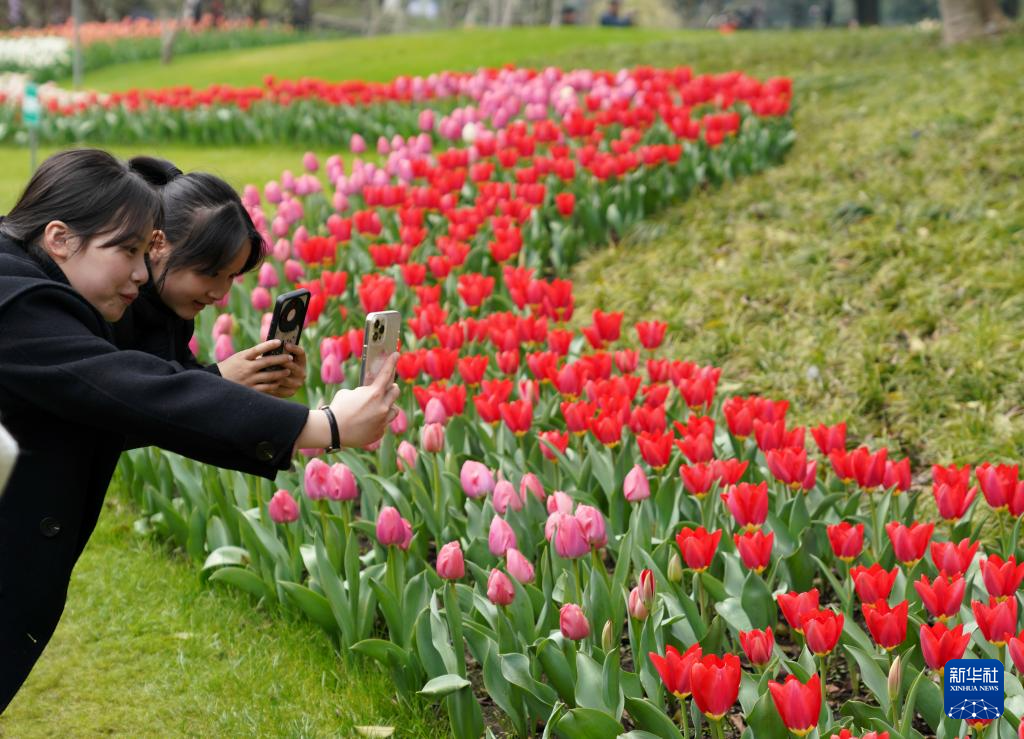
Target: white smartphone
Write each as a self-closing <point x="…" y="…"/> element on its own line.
<point x="380" y="341"/>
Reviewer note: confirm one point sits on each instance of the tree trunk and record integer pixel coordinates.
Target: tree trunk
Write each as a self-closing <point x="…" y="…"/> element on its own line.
<point x="962" y="20"/>
<point x="868" y="12"/>
<point x="993" y="16"/>
<point x="509" y="11"/>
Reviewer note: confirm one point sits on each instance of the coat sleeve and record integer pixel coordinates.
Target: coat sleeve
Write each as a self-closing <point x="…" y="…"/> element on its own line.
<point x="52" y="356"/>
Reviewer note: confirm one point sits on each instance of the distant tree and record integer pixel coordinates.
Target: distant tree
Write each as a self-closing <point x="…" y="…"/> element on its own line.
<point x="963" y="20"/>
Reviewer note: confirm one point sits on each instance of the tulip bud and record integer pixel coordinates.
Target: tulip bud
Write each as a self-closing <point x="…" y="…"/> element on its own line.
<point x="519" y="566"/>
<point x="608" y="636"/>
<point x="573" y="622"/>
<point x="895" y="677"/>
<point x="435" y="412"/>
<point x="500" y="590"/>
<point x="532" y="483"/>
<point x="344" y="487"/>
<point x="636" y="487"/>
<point x="476" y="479"/>
<point x="636" y="606"/>
<point x="505" y="497"/>
<point x="406" y="455"/>
<point x="400" y="423"/>
<point x="432" y="437"/>
<point x="675" y="569"/>
<point x="283" y="508"/>
<point x="501" y="537"/>
<point x="450" y="563"/>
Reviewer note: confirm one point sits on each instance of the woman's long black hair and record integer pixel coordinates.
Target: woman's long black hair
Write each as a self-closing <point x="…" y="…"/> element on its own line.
<point x="204" y="219"/>
<point x="94" y="193"/>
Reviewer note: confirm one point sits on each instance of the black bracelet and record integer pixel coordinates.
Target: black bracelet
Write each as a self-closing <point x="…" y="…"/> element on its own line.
<point x="333" y="422"/>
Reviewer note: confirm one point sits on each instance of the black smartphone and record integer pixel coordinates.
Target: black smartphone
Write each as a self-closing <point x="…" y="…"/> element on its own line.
<point x="289" y="315"/>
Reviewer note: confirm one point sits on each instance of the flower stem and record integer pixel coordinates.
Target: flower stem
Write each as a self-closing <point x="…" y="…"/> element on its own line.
<point x="579" y="586"/>
<point x="684" y="713"/>
<point x="876" y="542"/>
<point x="451" y="607"/>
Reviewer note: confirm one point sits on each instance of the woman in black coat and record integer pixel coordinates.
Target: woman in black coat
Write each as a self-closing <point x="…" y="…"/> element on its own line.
<point x="207" y="240"/>
<point x="72" y="258"/>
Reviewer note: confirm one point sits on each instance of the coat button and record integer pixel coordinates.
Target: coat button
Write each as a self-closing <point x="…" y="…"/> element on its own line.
<point x="49" y="527"/>
<point x="265" y="450"/>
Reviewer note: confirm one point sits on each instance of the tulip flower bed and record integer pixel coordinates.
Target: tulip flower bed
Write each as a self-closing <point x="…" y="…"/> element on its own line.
<point x="600" y="542"/>
<point x="316" y="112"/>
<point x="46" y="52"/>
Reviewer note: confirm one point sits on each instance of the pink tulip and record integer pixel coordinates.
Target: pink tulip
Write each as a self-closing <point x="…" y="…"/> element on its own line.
<point x="426" y="120"/>
<point x="573" y="623"/>
<point x="407" y="455"/>
<point x="570" y="538"/>
<point x="224" y="324"/>
<point x="399" y="423"/>
<point x="390" y="530"/>
<point x="330" y="370"/>
<point x="435" y="412"/>
<point x="636" y="487"/>
<point x="357" y="144"/>
<point x="560" y="502"/>
<point x="316" y="479"/>
<point x="280" y="251"/>
<point x="223" y="348"/>
<point x="193" y="345"/>
<point x="272" y="190"/>
<point x="251" y="196"/>
<point x="551" y="525"/>
<point x="265" y="320"/>
<point x="268" y="275"/>
<point x="476" y="479"/>
<point x="283" y="508"/>
<point x="531" y="482"/>
<point x="593" y="525"/>
<point x="432" y="437"/>
<point x="450" y="563"/>
<point x="501" y="537"/>
<point x="519" y="566"/>
<point x="505" y="497"/>
<point x="309" y="162"/>
<point x="293" y="271"/>
<point x="260" y="298"/>
<point x="500" y="590"/>
<point x="344" y="485"/>
<point x="636" y="606"/>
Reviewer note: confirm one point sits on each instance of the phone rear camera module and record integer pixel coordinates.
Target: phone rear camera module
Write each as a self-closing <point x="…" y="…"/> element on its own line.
<point x="289" y="317"/>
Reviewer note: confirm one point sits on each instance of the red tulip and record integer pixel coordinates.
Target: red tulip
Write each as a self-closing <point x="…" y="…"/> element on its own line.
<point x="517" y="415"/>
<point x="755" y="549"/>
<point x="952" y="491"/>
<point x="748" y="504"/>
<point x="715" y="682"/>
<point x="888" y="626"/>
<point x="1016" y="649"/>
<point x="822" y="630"/>
<point x="698" y="546"/>
<point x="740" y="413"/>
<point x="565" y="202"/>
<point x="847" y="540"/>
<point x="897" y="475"/>
<point x="656" y="449"/>
<point x="674" y="668"/>
<point x="1002" y="578"/>
<point x="789" y="465"/>
<point x="953" y="559"/>
<point x="651" y="333"/>
<point x="830" y="438"/>
<point x="847" y="734"/>
<point x="944" y="596"/>
<point x="997" y="620"/>
<point x="795" y="605"/>
<point x="798" y="703"/>
<point x="873" y="583"/>
<point x="909" y="543"/>
<point x="758" y="645"/>
<point x="698" y="479"/>
<point x="940" y="644"/>
<point x="998" y="483"/>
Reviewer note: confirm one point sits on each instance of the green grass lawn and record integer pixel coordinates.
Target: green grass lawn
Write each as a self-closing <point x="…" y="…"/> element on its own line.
<point x="377" y="59"/>
<point x="876" y="276"/>
<point x="145" y="650"/>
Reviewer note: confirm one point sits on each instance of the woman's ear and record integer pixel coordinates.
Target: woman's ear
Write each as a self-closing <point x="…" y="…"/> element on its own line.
<point x="58" y="241"/>
<point x="159" y="250"/>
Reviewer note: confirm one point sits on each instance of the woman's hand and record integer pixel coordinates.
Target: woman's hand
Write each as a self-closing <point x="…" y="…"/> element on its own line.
<point x="246" y="367"/>
<point x="363" y="414"/>
<point x="296" y="377"/>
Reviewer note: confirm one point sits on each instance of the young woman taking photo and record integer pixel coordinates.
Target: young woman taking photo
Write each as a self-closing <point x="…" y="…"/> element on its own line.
<point x="207" y="240"/>
<point x="72" y="259"/>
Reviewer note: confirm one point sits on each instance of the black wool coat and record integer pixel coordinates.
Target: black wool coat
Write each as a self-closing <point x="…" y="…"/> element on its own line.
<point x="150" y="326"/>
<point x="70" y="398"/>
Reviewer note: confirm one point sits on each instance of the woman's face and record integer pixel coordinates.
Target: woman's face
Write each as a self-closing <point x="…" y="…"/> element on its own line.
<point x="187" y="291"/>
<point x="106" y="274"/>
